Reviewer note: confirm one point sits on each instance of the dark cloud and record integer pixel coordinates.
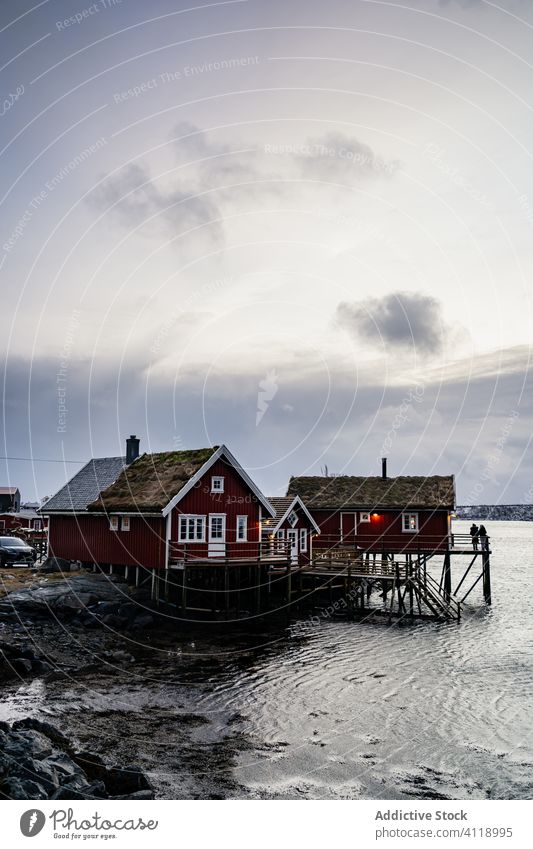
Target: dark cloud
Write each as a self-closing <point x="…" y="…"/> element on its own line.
<point x="212" y="175"/>
<point x="399" y="320"/>
<point x="343" y="157"/>
<point x="477" y="426"/>
<point x="133" y="198"/>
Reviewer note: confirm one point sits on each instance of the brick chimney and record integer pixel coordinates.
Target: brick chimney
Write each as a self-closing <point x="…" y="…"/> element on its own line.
<point x="132" y="449"/>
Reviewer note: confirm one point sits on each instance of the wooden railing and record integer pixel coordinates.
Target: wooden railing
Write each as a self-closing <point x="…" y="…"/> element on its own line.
<point x="415" y="541"/>
<point x="196" y="552"/>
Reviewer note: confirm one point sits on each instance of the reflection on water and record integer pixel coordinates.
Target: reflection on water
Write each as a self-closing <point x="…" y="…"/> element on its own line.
<point x="353" y="710"/>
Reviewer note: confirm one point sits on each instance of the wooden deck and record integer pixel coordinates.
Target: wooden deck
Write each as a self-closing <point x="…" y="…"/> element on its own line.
<point x="404" y="579"/>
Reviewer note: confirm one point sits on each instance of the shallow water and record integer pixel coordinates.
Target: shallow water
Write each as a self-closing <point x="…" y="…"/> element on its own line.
<point x="335" y="710"/>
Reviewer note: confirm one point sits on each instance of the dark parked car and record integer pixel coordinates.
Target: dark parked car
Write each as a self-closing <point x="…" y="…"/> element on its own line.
<point x="15" y="551"/>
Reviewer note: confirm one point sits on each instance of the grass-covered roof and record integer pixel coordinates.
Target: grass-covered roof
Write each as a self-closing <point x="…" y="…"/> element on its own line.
<point x="374" y="493"/>
<point x="152" y="481"/>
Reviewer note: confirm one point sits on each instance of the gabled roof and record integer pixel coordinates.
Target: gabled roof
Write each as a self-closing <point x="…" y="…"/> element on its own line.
<point x="24" y="514"/>
<point x="85" y="486"/>
<point x="375" y="493"/>
<point x="284" y="505"/>
<point x="8" y="490"/>
<point x="281" y="504"/>
<point x="157" y="482"/>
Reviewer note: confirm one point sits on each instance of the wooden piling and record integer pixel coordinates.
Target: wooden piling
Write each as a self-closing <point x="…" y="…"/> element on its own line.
<point x="447" y="576"/>
<point x="487" y="594"/>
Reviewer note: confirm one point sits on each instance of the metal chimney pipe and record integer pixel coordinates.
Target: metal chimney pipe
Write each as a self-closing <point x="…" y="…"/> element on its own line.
<point x="132" y="449"/>
<point x="384" y="468"/>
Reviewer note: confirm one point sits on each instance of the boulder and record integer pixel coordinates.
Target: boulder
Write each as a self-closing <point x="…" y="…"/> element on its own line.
<point x="37" y="761"/>
<point x="66" y="598"/>
<point x="143" y="621"/>
<point x="21" y="660"/>
<point x="21" y="665"/>
<point x="122" y="782"/>
<point x="54" y="564"/>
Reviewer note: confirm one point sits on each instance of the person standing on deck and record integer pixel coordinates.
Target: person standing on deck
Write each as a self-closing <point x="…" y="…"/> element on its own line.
<point x="483" y="538"/>
<point x="474" y="533"/>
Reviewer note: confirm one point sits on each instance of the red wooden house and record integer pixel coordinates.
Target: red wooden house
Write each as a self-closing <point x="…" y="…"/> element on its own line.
<point x="25" y="519"/>
<point x="9" y="499"/>
<point x="379" y="514"/>
<point x="159" y="510"/>
<point x="15" y="518"/>
<point x="293" y="526"/>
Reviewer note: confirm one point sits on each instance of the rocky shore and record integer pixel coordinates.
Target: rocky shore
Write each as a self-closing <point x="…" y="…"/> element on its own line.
<point x="496" y="512"/>
<point x="95" y="679"/>
<point x="37" y="761"/>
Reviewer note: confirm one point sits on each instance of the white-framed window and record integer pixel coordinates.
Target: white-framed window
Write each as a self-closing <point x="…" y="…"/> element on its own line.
<point x="191" y="528"/>
<point x="409" y="522"/>
<point x="292" y="519"/>
<point x="280" y="534"/>
<point x="113" y="523"/>
<point x="364" y="517"/>
<point x="37" y="525"/>
<point x="217" y="527"/>
<point x="217" y="483"/>
<point x="242" y="528"/>
<point x="125" y="523"/>
<point x="303" y="539"/>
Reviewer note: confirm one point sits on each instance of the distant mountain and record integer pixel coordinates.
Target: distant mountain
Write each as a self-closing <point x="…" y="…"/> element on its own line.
<point x="496" y="512"/>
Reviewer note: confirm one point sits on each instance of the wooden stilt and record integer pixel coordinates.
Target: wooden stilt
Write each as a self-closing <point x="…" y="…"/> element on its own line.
<point x="184" y="588"/>
<point x="487" y="593"/>
<point x="447" y="576"/>
<point x="226" y="587"/>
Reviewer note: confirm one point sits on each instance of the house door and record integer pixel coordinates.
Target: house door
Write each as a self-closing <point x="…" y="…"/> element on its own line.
<point x="348" y="528"/>
<point x="292" y="539"/>
<point x="217" y="535"/>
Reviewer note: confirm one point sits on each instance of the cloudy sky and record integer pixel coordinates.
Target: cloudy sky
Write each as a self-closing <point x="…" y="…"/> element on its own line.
<point x="300" y="228"/>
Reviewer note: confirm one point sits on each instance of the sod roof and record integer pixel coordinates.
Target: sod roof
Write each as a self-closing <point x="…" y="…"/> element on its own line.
<point x="150" y="482"/>
<point x="375" y="493"/>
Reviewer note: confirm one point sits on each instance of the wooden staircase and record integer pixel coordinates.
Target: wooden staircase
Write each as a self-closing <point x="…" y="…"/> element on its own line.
<point x="408" y="588"/>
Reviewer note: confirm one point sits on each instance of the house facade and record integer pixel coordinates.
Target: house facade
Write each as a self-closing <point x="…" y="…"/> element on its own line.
<point x="379" y="514"/>
<point x="293" y="526"/>
<point x="160" y="510"/>
<point x="22" y="520"/>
